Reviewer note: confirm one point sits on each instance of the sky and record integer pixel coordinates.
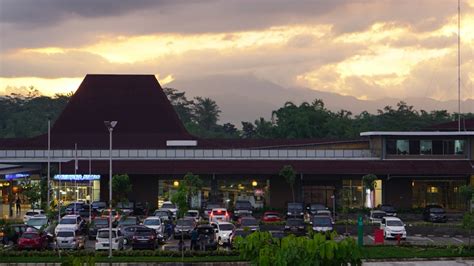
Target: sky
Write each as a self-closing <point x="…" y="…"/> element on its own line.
<point x="366" y="49"/>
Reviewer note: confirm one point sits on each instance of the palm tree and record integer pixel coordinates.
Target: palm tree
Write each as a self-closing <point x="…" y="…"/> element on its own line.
<point x="206" y="112"/>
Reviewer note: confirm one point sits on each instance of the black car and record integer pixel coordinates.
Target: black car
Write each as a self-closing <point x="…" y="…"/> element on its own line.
<point x="97" y="223"/>
<point x="295" y="210"/>
<point x="86" y="210"/>
<point x="126" y="207"/>
<point x="388" y="209"/>
<point x="99" y="206"/>
<point x="242" y="208"/>
<point x="144" y="238"/>
<point x="128" y="231"/>
<point x="165" y="215"/>
<point x="295" y="226"/>
<point x="313" y="208"/>
<point x="434" y="213"/>
<point x="128" y="220"/>
<point x="206" y="238"/>
<point x="183" y="227"/>
<point x="73" y="208"/>
<point x="11" y="233"/>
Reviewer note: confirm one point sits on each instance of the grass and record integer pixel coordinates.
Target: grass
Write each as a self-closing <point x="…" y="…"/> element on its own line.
<point x="394" y="252"/>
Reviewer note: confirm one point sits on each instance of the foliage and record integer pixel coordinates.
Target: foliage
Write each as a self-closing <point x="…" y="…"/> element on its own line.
<point x="369" y="181"/>
<point x="180" y="198"/>
<point x="121" y="186"/>
<point x="193" y="184"/>
<point x="468" y="223"/>
<point x="467" y="193"/>
<point x="262" y="249"/>
<point x="289" y="174"/>
<point x="32" y="191"/>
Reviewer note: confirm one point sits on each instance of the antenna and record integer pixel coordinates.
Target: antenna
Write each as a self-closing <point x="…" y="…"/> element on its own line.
<point x="459" y="65"/>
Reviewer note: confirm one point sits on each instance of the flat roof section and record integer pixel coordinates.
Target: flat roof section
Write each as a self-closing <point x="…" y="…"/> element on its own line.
<point x="416" y="133"/>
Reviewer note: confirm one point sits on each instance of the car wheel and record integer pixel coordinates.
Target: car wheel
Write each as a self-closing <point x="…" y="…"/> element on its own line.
<point x="219" y="241"/>
<point x="125" y="241"/>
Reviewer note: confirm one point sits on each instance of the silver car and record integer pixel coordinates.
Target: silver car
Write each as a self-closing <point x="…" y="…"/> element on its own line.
<point x="69" y="239"/>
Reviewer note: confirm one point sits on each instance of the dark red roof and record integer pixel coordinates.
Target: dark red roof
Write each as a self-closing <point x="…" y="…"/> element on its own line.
<point x="466" y="125"/>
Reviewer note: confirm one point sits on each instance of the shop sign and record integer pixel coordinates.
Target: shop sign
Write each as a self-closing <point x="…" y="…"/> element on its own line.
<point x="77" y="177"/>
<point x="16" y="176"/>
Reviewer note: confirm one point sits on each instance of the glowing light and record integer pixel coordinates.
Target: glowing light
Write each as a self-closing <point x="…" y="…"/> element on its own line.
<point x="176" y="183"/>
<point x="254" y="183"/>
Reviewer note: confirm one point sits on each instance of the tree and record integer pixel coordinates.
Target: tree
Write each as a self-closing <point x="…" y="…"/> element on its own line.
<point x="248" y="130"/>
<point x="468" y="223"/>
<point x="181" y="104"/>
<point x="181" y="200"/>
<point x="290" y="177"/>
<point x="369" y="183"/>
<point x="193" y="185"/>
<point x="467" y="192"/>
<point x="121" y="187"/>
<point x="32" y="191"/>
<point x="206" y="112"/>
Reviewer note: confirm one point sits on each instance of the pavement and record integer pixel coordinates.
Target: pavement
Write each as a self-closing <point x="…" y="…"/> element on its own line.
<point x="5" y="211"/>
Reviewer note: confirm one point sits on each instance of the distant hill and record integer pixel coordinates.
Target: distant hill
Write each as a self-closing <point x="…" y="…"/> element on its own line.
<point x="246" y="97"/>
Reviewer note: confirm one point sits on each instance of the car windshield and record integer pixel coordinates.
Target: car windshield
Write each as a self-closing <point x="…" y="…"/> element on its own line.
<point x="37" y="221"/>
<point x="65" y="234"/>
<point x="185" y="222"/>
<point x="295" y="206"/>
<point x="101" y="221"/>
<point x="436" y="210"/>
<point x="249" y="222"/>
<point x="243" y="205"/>
<point x="143" y="232"/>
<point x="315" y="207"/>
<point x="99" y="204"/>
<point x="294" y="222"/>
<point x="226" y="227"/>
<point x="205" y="230"/>
<point x="322" y="221"/>
<point x="192" y="214"/>
<point x="212" y="206"/>
<point x="128" y="220"/>
<point x="168" y="206"/>
<point x="122" y="205"/>
<point x="394" y="223"/>
<point x="378" y="214"/>
<point x="105" y="234"/>
<point x="387" y="208"/>
<point x="68" y="221"/>
<point x="29" y="235"/>
<point x="31" y="213"/>
<point x="152" y="222"/>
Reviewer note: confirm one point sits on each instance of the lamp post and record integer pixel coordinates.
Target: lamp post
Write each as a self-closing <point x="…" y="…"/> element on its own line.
<point x="110" y="126"/>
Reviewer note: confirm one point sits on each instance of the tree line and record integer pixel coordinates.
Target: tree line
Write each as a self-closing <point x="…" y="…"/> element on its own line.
<point x="26" y="115"/>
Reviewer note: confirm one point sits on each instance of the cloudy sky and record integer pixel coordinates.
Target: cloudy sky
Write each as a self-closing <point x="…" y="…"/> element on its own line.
<point x="368" y="49"/>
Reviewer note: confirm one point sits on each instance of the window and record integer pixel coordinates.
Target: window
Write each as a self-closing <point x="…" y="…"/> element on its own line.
<point x="426" y="147"/>
<point x="437" y="146"/>
<point x="414" y="147"/>
<point x="391" y="146"/>
<point x="459" y="146"/>
<point x="403" y="147"/>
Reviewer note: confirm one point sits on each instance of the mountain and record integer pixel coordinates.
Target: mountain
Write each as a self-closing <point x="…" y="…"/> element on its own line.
<point x="246" y="97"/>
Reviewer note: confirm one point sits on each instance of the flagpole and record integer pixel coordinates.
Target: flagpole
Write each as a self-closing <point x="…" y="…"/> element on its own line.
<point x="49" y="165"/>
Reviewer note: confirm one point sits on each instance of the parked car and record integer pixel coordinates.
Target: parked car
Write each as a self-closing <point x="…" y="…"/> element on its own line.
<point x="393" y="227"/>
<point x="99" y="206"/>
<point x="74" y="207"/>
<point x="239" y="232"/>
<point x="128" y="220"/>
<point x="12" y="232"/>
<point x="209" y="207"/>
<point x="32" y="213"/>
<point x="219" y="214"/>
<point x="116" y="216"/>
<point x="242" y="208"/>
<point x="206" y="237"/>
<point x="165" y="215"/>
<point x="144" y="238"/>
<point x="184" y="227"/>
<point x="249" y="222"/>
<point x="126" y="207"/>
<point x="102" y="240"/>
<point x="192" y="214"/>
<point x="38" y="221"/>
<point x="128" y="231"/>
<point x="295" y="226"/>
<point x="71" y="222"/>
<point x="96" y="225"/>
<point x="295" y="210"/>
<point x="375" y="216"/>
<point x="33" y="239"/>
<point x="224" y="232"/>
<point x="154" y="222"/>
<point x="271" y="217"/>
<point x="68" y="238"/>
<point x="322" y="223"/>
<point x="388" y="209"/>
<point x="87" y="210"/>
<point x="434" y="213"/>
<point x="168" y="205"/>
<point x="313" y="208"/>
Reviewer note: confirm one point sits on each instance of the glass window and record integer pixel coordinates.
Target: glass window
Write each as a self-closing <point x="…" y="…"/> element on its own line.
<point x="459" y="146"/>
<point x="403" y="147"/>
<point x="414" y="147"/>
<point x="426" y="147"/>
<point x="391" y="146"/>
<point x="448" y="146"/>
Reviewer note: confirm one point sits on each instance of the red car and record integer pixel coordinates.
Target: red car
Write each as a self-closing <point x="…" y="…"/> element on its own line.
<point x="33" y="240"/>
<point x="270" y="217"/>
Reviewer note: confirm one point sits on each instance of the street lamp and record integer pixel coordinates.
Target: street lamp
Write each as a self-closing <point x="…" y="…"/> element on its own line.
<point x="110" y="126"/>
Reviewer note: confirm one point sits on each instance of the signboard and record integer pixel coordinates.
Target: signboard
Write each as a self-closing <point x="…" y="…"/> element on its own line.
<point x="77" y="177"/>
<point x="16" y="176"/>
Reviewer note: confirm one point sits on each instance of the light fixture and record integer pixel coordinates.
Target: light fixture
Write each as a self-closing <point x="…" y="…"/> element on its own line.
<point x="176" y="183"/>
<point x="254" y="183"/>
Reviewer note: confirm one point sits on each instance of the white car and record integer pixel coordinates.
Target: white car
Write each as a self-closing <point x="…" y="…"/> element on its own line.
<point x="193" y="214"/>
<point x="219" y="215"/>
<point x="376" y="216"/>
<point x="102" y="239"/>
<point x="67" y="238"/>
<point x="223" y="232"/>
<point x="170" y="206"/>
<point x="37" y="221"/>
<point x="154" y="222"/>
<point x="31" y="213"/>
<point x="393" y="227"/>
<point x="70" y="222"/>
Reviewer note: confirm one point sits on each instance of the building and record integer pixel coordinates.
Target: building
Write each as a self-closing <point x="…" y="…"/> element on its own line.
<point x="151" y="145"/>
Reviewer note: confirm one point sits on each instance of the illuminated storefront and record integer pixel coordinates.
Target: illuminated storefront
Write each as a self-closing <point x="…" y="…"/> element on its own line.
<point x="71" y="188"/>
